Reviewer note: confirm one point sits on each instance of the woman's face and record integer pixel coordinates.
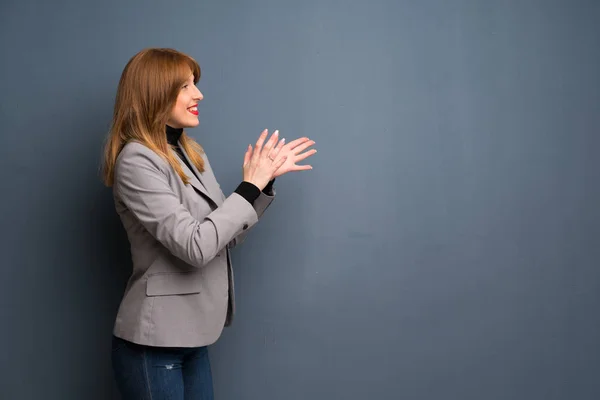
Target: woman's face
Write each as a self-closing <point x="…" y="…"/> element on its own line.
<point x="185" y="112"/>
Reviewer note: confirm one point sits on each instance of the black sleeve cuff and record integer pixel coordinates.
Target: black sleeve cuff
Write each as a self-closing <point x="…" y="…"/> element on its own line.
<point x="248" y="191"/>
<point x="268" y="190"/>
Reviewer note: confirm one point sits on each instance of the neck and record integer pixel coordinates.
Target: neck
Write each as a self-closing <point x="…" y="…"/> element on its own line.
<point x="173" y="135"/>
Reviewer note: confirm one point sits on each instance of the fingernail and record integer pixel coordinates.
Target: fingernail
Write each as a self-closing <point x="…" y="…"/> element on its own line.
<point x="276" y="133"/>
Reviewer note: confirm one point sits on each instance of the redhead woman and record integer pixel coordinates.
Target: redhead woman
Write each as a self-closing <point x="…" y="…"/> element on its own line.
<point x="180" y="225"/>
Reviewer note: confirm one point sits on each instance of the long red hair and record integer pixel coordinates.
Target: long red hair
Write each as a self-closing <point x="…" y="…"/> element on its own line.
<point x="147" y="92"/>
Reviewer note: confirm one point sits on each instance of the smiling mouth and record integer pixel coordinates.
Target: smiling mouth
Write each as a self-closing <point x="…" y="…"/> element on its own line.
<point x="193" y="110"/>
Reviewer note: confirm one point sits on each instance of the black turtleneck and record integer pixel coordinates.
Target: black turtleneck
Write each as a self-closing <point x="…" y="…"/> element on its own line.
<point x="245" y="189"/>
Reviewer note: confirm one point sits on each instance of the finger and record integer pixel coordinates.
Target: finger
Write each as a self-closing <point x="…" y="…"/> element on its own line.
<point x="296" y="142"/>
<point x="258" y="146"/>
<point x="270" y="143"/>
<point x="303" y="146"/>
<point x="280" y="145"/>
<point x="302" y="167"/>
<point x="277" y="164"/>
<point x="248" y="155"/>
<point x="305" y="155"/>
<point x="277" y="149"/>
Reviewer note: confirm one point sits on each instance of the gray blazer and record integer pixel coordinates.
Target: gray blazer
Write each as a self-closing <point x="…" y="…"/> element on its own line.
<point x="181" y="292"/>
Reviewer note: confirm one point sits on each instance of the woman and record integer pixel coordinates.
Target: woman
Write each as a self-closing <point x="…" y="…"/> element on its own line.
<point x="180" y="226"/>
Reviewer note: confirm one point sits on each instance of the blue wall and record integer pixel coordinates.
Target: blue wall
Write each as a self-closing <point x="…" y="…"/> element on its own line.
<point x="445" y="246"/>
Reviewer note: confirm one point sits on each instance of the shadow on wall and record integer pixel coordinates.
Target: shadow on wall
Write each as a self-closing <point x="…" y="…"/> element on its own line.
<point x="111" y="260"/>
<point x="72" y="279"/>
<point x="104" y="262"/>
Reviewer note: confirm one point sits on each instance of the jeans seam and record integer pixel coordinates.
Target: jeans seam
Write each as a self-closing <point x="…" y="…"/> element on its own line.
<point x="146" y="374"/>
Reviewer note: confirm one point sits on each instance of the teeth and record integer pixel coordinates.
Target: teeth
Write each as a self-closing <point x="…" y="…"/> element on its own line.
<point x="193" y="108"/>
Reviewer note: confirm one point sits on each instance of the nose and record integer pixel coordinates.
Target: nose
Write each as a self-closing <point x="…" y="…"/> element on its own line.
<point x="199" y="96"/>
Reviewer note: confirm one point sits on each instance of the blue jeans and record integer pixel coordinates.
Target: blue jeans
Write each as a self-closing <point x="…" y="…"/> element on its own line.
<point x="161" y="373"/>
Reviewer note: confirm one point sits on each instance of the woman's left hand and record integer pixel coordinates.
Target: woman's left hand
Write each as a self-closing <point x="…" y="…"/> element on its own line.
<point x="295" y="152"/>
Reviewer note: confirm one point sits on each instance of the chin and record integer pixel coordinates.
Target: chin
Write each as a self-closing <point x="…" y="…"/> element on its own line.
<point x="191" y="124"/>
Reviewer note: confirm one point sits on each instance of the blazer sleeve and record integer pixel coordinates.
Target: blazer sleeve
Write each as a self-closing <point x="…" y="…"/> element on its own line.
<point x="141" y="183"/>
<point x="260" y="206"/>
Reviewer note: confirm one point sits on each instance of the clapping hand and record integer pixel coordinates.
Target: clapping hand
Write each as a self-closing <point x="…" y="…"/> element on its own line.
<point x="294" y="151"/>
<point x="270" y="159"/>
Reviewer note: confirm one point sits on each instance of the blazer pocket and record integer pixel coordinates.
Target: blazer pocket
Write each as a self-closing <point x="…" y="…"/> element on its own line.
<point x="173" y="283"/>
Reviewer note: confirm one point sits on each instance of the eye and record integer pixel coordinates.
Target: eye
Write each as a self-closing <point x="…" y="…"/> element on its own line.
<point x="185" y="86"/>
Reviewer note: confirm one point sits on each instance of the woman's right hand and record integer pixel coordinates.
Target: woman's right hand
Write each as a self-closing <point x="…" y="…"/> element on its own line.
<point x="258" y="167"/>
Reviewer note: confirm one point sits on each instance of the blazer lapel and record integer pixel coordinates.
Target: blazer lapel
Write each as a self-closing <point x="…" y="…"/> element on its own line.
<point x="194" y="181"/>
<point x="202" y="182"/>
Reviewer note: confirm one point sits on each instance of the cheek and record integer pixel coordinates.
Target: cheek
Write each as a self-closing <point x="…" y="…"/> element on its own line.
<point x="183" y="104"/>
<point x="179" y="109"/>
<point x="180" y="100"/>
